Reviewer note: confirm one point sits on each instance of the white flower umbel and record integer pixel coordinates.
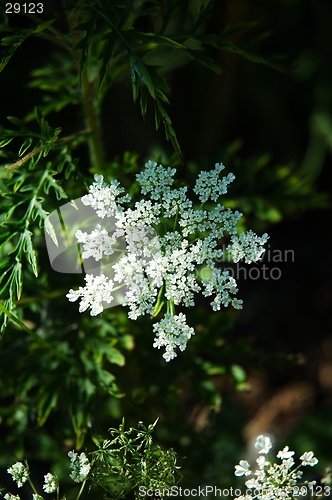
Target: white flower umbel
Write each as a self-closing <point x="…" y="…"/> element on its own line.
<point x="80" y="466"/>
<point x="172" y="332"/>
<point x="9" y="496"/>
<point x="160" y="242"/>
<point x="35" y="496"/>
<point x="50" y="483"/>
<point x="19" y="472"/>
<point x="97" y="290"/>
<point x="272" y="481"/>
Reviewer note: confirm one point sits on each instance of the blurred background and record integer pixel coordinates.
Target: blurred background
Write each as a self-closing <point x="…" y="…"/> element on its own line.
<point x="268" y="368"/>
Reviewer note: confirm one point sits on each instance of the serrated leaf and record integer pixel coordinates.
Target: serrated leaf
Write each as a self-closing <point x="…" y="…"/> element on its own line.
<point x="50" y="230"/>
<point x="28" y="247"/>
<point x="17" y="271"/>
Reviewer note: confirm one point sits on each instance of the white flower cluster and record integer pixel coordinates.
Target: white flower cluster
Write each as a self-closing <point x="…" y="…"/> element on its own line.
<point x="19" y="472"/>
<point x="50" y="483"/>
<point x="172" y="332"/>
<point x="161" y="242"/>
<point x="97" y="290"/>
<point x="9" y="496"/>
<point x="35" y="496"/>
<point x="273" y="481"/>
<point x="79" y="465"/>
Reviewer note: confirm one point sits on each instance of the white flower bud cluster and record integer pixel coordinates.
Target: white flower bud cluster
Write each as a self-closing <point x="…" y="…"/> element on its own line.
<point x="50" y="483"/>
<point x="79" y="465"/>
<point x="274" y="481"/>
<point x="20" y="473"/>
<point x="172" y="332"/>
<point x="160" y="243"/>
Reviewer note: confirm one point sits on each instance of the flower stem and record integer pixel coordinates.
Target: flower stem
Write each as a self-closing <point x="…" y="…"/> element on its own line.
<point x="81" y="490"/>
<point x="89" y="101"/>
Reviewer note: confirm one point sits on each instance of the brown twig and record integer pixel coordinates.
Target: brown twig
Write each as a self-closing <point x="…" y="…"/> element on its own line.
<point x="38" y="150"/>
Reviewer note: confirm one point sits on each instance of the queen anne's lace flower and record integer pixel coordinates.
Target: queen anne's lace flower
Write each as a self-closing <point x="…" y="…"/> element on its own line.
<point x="274" y="481"/>
<point x="35" y="496"/>
<point x="161" y="242"/>
<point x="9" y="496"/>
<point x="19" y="472"/>
<point x="79" y="465"/>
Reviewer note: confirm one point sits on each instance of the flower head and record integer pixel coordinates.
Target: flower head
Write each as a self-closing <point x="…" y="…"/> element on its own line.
<point x="51" y="483"/>
<point x="263" y="444"/>
<point x="273" y="481"/>
<point x="308" y="458"/>
<point x="243" y="468"/>
<point x="164" y="241"/>
<point x="19" y="472"/>
<point x="285" y="453"/>
<point x="79" y="465"/>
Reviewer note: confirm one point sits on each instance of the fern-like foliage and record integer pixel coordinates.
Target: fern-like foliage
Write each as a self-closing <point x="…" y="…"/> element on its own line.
<point x="22" y="186"/>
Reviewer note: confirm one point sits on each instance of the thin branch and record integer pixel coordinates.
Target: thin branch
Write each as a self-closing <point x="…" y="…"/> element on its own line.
<point x="42" y="148"/>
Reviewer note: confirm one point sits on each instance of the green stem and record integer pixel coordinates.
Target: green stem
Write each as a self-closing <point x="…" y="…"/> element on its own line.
<point x="81" y="490"/>
<point x="32" y="486"/>
<point x="91" y="117"/>
<point x="38" y="150"/>
<point x="92" y="123"/>
<point x="36" y="337"/>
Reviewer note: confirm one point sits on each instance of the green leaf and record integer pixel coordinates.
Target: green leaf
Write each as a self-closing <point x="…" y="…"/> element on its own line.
<point x="161" y="114"/>
<point x="28" y="247"/>
<point x="206" y="61"/>
<point x="25" y="146"/>
<point x="84" y="43"/>
<point x="153" y="38"/>
<point x="45" y="25"/>
<point x="13" y="42"/>
<point x="46" y="404"/>
<point x="106" y="56"/>
<point x="50" y="230"/>
<point x="5" y="142"/>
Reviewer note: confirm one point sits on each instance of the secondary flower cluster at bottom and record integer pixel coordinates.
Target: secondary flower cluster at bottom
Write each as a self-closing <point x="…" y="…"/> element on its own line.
<point x="273" y="481"/>
<point x="80" y="468"/>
